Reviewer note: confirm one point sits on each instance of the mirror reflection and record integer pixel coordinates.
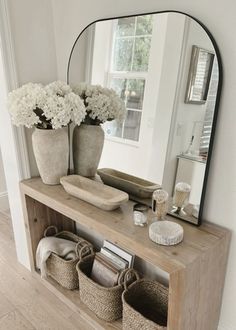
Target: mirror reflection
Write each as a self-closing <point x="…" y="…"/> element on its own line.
<point x="164" y="68"/>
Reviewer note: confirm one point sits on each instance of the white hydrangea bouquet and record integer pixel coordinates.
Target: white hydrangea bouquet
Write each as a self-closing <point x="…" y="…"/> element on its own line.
<point x="47" y="107"/>
<point x="102" y="104"/>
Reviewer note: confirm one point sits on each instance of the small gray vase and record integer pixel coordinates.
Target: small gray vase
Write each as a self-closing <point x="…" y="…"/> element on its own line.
<point x="88" y="141"/>
<point x="51" y="151"/>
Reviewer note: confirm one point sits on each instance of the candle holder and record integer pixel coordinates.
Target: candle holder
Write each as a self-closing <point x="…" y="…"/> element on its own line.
<point x="181" y="197"/>
<point x="160" y="203"/>
<point x="140" y="212"/>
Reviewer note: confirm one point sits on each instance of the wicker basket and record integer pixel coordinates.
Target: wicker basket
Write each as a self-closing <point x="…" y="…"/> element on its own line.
<point x="145" y="305"/>
<point x="64" y="271"/>
<point x="105" y="302"/>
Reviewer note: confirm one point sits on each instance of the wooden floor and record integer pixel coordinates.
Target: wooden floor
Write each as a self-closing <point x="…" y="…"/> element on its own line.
<point x="25" y="303"/>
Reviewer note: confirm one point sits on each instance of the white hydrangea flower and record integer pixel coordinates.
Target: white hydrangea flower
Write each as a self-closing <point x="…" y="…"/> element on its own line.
<point x="80" y="89"/>
<point x="53" y="106"/>
<point x="101" y="103"/>
<point x="22" y="101"/>
<point x="59" y="88"/>
<point x="57" y="111"/>
<point x="76" y="106"/>
<point x="100" y="107"/>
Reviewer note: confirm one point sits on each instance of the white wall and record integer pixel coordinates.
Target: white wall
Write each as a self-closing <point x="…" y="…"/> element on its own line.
<point x="169" y="73"/>
<point x="33" y="37"/>
<point x="71" y="16"/>
<point x="78" y="62"/>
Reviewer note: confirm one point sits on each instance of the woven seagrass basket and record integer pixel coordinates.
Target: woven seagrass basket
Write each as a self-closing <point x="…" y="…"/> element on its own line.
<point x="145" y="305"/>
<point x="64" y="271"/>
<point x="105" y="302"/>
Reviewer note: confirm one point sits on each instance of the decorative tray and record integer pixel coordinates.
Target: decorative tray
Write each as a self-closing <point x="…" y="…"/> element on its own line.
<point x="131" y="184"/>
<point x="166" y="232"/>
<point x="94" y="192"/>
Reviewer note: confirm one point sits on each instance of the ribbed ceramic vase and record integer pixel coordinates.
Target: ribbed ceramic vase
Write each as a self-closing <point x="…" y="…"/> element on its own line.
<point x="88" y="143"/>
<point x="51" y="150"/>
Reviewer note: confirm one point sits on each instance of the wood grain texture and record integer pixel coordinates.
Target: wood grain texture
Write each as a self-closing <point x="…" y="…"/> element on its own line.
<point x="96" y="193"/>
<point x="196" y="266"/>
<point x="24" y="302"/>
<point x="72" y="299"/>
<point x="195" y="292"/>
<point x="5" y="305"/>
<point x="40" y="217"/>
<point x="15" y="320"/>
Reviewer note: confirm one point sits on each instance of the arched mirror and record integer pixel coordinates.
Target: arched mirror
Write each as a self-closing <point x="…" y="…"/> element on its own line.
<point x="166" y="68"/>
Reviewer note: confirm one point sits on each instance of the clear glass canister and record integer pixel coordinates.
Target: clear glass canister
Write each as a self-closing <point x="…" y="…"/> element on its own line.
<point x="140" y="214"/>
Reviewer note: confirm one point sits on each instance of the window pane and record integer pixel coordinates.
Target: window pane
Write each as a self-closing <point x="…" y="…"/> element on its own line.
<point x="132" y="125"/>
<point x="130" y="90"/>
<point x="122" y="55"/>
<point x="204" y="66"/>
<point x="125" y="27"/>
<point x="113" y="128"/>
<point x="144" y="25"/>
<point x="134" y="93"/>
<point x="119" y="85"/>
<point x="141" y="54"/>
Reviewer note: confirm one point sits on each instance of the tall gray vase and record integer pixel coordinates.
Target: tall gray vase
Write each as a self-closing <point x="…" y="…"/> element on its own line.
<point x="51" y="151"/>
<point x="88" y="143"/>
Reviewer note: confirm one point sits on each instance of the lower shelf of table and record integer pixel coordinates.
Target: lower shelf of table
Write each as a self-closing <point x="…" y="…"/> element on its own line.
<point x="72" y="299"/>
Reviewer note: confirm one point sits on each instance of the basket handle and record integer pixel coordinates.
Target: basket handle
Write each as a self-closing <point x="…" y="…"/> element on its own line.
<point x="83" y="248"/>
<point x="45" y="233"/>
<point x="122" y="276"/>
<point x="129" y="274"/>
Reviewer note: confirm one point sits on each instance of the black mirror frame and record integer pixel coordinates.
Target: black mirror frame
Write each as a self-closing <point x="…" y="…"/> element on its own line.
<point x="217" y="103"/>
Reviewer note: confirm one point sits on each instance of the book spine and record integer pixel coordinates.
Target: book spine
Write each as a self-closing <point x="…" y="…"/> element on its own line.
<point x="116" y="260"/>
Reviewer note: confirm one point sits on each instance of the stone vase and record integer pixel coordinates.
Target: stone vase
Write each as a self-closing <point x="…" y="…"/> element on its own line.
<point x="51" y="150"/>
<point x="88" y="141"/>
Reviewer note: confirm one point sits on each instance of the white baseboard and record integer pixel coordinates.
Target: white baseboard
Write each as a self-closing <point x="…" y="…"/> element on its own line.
<point x="4" y="203"/>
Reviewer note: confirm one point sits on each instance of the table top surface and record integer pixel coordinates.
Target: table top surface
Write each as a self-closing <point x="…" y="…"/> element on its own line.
<point x="193" y="158"/>
<point x="118" y="227"/>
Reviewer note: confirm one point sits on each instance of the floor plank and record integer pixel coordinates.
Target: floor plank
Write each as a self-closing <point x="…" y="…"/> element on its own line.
<point x="14" y="320"/>
<point x="26" y="303"/>
<point x="5" y="305"/>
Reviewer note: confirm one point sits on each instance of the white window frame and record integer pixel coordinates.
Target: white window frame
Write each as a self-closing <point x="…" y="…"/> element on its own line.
<point x="110" y="74"/>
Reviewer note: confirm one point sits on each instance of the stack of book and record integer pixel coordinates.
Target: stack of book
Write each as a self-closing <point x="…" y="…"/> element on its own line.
<point x="108" y="264"/>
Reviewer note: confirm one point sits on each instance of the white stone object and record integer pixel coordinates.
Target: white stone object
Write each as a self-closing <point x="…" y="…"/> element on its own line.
<point x="88" y="143"/>
<point x="166" y="233"/>
<point x="51" y="151"/>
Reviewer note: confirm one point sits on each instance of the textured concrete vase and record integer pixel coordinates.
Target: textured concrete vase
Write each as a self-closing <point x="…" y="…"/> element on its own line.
<point x="88" y="143"/>
<point x="51" y="150"/>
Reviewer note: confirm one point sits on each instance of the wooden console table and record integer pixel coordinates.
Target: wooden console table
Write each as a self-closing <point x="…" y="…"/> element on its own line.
<point x="196" y="267"/>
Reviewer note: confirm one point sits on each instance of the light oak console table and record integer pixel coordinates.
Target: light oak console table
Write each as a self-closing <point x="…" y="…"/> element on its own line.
<point x="196" y="267"/>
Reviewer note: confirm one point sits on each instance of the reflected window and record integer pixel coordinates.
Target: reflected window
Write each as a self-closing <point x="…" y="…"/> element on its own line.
<point x="210" y="108"/>
<point x="131" y="43"/>
<point x="128" y="71"/>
